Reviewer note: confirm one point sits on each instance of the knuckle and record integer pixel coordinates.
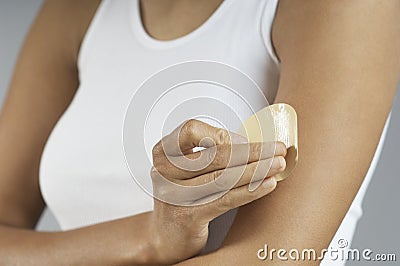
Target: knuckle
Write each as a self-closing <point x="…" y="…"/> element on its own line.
<point x="223" y="180"/>
<point x="255" y="149"/>
<point x="153" y="173"/>
<point x="216" y="160"/>
<point x="215" y="177"/>
<point x="251" y="171"/>
<point x="252" y="168"/>
<point x="209" y="178"/>
<point x="189" y="128"/>
<point x="222" y="155"/>
<point x="157" y="149"/>
<point x="224" y="203"/>
<point x="222" y="136"/>
<point x="161" y="168"/>
<point x="156" y="175"/>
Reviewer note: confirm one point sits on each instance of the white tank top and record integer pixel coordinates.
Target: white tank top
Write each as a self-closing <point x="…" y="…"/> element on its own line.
<point x="83" y="176"/>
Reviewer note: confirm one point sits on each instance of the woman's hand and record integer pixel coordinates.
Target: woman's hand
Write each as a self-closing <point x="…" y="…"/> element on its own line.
<point x="192" y="188"/>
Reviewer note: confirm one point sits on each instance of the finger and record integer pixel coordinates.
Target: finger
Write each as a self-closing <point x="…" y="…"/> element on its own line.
<point x="237" y="176"/>
<point x="218" y="158"/>
<point x="194" y="133"/>
<point x="235" y="198"/>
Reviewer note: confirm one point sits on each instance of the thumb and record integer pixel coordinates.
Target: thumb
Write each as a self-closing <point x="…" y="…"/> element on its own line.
<point x="194" y="133"/>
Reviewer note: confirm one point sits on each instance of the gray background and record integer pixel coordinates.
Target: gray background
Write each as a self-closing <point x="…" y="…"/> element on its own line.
<point x="379" y="227"/>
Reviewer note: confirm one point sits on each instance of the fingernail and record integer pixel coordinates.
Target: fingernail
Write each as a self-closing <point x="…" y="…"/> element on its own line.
<point x="280" y="149"/>
<point x="279" y="163"/>
<point x="270" y="182"/>
<point x="282" y="163"/>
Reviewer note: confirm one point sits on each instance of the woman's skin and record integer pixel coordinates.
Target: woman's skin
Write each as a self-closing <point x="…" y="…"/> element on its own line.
<point x="181" y="229"/>
<point x="45" y="81"/>
<point x="340" y="64"/>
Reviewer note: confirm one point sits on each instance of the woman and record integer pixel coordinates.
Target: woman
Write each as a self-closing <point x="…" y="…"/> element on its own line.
<point x="330" y="59"/>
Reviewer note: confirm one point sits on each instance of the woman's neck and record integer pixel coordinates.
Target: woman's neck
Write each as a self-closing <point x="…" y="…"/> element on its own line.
<point x="171" y="19"/>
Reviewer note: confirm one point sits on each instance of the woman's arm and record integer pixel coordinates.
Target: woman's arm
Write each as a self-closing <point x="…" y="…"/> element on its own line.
<point x="44" y="83"/>
<point x="340" y="63"/>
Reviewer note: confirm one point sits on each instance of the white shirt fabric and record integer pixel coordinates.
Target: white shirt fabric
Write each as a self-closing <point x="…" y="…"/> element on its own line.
<point x="83" y="176"/>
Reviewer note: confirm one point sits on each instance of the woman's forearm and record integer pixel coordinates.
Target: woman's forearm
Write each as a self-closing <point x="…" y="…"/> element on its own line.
<point x="120" y="242"/>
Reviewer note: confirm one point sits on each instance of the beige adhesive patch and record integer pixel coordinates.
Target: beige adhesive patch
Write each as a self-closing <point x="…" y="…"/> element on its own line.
<point x="277" y="122"/>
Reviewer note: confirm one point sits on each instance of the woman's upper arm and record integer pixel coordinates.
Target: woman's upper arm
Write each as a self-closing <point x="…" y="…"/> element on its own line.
<point x="44" y="82"/>
<point x="340" y="64"/>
